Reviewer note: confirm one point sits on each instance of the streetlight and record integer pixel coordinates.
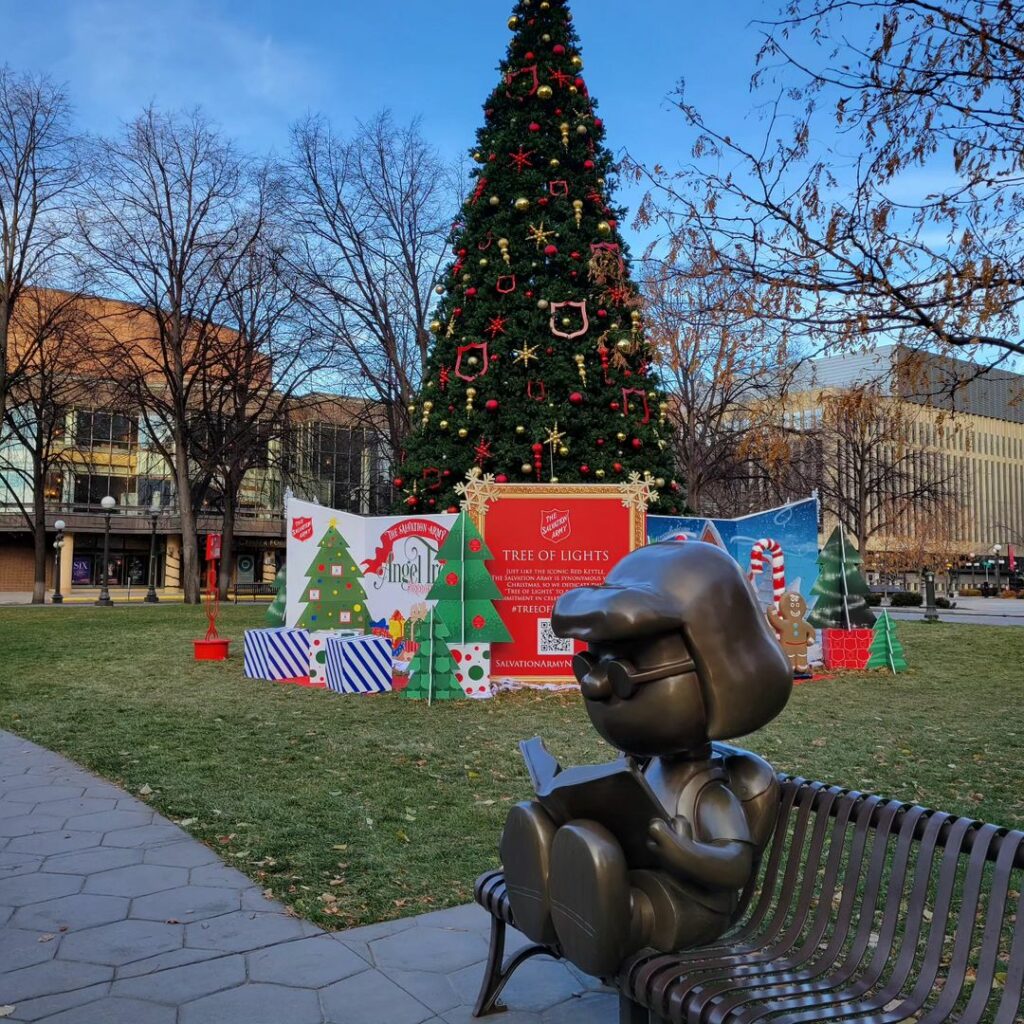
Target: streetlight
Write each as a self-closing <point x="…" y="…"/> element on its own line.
<point x="154" y="514"/>
<point x="930" y="612"/>
<point x="995" y="551"/>
<point x="58" y="543"/>
<point x="107" y="504"/>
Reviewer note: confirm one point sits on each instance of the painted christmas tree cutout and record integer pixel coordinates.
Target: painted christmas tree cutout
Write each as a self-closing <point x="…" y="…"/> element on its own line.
<point x="432" y="669"/>
<point x="886" y="650"/>
<point x="841" y="590"/>
<point x="465" y="591"/>
<point x="277" y="610"/>
<point x="334" y="598"/>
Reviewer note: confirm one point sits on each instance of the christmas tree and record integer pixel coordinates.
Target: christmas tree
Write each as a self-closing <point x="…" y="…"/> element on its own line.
<point x="465" y="591"/>
<point x="886" y="650"/>
<point x="540" y="370"/>
<point x="841" y="590"/>
<point x="334" y="597"/>
<point x="277" y="609"/>
<point x="432" y="669"/>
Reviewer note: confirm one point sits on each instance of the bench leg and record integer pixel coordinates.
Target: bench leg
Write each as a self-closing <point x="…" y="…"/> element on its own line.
<point x="497" y="973"/>
<point x="631" y="1012"/>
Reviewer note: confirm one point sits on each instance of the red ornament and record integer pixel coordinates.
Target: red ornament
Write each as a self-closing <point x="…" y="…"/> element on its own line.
<point x="534" y="127"/>
<point x="431" y="502"/>
<point x="549" y="351"/>
<point x="479" y="622"/>
<point x="600" y="442"/>
<point x="537" y="448"/>
<point x="588" y="164"/>
<point x="598" y="123"/>
<point x="543" y="201"/>
<point x="602" y="313"/>
<point x="412" y="501"/>
<point x="550" y="250"/>
<point x="452" y="509"/>
<point x="575" y="255"/>
<point x="491" y="405"/>
<point x="585" y="470"/>
<point x="579" y="85"/>
<point x="614" y="406"/>
<point x="529" y="55"/>
<point x="452" y="579"/>
<point x="398" y="481"/>
<point x="470" y="292"/>
<point x="499" y="479"/>
<point x="558" y="49"/>
<point x="463" y="253"/>
<point x="617" y="467"/>
<point x="637" y="444"/>
<point x="576" y="398"/>
<point x="446" y="473"/>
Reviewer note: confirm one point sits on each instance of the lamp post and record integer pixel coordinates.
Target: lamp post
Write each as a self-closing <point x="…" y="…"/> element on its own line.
<point x="154" y="515"/>
<point x="931" y="613"/>
<point x="995" y="551"/>
<point x="107" y="504"/>
<point x="58" y="543"/>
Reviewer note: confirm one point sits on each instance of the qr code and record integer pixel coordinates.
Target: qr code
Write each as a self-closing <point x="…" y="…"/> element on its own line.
<point x="549" y="644"/>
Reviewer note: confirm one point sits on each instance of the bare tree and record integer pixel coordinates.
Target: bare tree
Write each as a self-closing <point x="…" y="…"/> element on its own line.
<point x="38" y="171"/>
<point x="162" y="221"/>
<point x="46" y="332"/>
<point x="870" y="473"/>
<point x="372" y="216"/>
<point x="881" y="197"/>
<point x="727" y="374"/>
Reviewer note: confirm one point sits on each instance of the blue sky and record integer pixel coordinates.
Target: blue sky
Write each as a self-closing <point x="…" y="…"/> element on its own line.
<point x="258" y="65"/>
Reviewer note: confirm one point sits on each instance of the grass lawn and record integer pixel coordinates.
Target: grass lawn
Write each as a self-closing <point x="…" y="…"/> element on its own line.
<point x="359" y="809"/>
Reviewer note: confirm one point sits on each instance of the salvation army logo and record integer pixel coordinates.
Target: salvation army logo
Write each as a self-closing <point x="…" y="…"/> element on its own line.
<point x="302" y="527"/>
<point x="554" y="525"/>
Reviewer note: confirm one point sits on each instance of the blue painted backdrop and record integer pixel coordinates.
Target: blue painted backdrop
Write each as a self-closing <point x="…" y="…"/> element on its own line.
<point x="794" y="526"/>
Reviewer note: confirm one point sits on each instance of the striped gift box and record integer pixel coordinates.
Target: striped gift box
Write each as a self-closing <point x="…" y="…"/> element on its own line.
<point x="359" y="664"/>
<point x="318" y="653"/>
<point x="278" y="653"/>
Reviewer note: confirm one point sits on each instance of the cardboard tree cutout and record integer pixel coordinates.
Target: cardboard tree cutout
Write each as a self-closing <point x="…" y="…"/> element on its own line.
<point x="886" y="651"/>
<point x="334" y="598"/>
<point x="276" y="611"/>
<point x="465" y="593"/>
<point x="841" y="610"/>
<point x="432" y="670"/>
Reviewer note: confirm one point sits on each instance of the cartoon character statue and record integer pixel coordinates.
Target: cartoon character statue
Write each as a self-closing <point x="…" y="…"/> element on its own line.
<point x="795" y="635"/>
<point x="653" y="850"/>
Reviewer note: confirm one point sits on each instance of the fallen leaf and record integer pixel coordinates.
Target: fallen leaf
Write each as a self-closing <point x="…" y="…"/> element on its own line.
<point x="46" y="937"/>
<point x="340" y="846"/>
<point x="818" y="742"/>
<point x="185" y="822"/>
<point x="145" y="789"/>
<point x="6" y="1011"/>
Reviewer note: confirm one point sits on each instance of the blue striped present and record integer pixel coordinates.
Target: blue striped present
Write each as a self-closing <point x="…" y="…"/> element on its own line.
<point x="278" y="653"/>
<point x="359" y="664"/>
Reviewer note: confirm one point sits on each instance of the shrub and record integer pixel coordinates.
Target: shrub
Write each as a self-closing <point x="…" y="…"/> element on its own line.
<point x="1008" y="593"/>
<point x="906" y="599"/>
<point x="942" y="602"/>
<point x="874" y="600"/>
<point x="969" y="592"/>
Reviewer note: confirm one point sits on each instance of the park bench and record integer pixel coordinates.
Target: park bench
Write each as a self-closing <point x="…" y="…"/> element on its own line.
<point x="864" y="909"/>
<point x="254" y="590"/>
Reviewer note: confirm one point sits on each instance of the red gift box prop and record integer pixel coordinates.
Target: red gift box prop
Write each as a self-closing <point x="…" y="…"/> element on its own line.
<point x="846" y="648"/>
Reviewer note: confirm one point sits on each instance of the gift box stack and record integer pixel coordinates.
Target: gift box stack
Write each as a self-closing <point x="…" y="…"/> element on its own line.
<point x="360" y="664"/>
<point x="280" y="654"/>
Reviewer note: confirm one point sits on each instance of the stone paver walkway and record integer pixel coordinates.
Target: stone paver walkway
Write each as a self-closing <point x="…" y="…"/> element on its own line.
<point x="110" y="914"/>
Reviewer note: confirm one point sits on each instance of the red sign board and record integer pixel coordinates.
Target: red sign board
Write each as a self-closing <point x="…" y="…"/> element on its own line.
<point x="547" y="539"/>
<point x="302" y="527"/>
<point x="212" y="546"/>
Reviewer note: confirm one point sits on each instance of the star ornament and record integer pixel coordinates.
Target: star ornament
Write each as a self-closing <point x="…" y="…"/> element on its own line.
<point x="527" y="353"/>
<point x="537" y="233"/>
<point x="477" y="492"/>
<point x="637" y="493"/>
<point x="555" y="436"/>
<point x="521" y="159"/>
<point x="496" y="326"/>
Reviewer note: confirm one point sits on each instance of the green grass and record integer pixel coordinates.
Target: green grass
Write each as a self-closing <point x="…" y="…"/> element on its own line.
<point x="359" y="809"/>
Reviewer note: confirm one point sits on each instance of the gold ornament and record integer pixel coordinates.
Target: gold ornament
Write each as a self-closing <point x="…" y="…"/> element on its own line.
<point x="577" y="62"/>
<point x="412" y="408"/>
<point x="478" y="157"/>
<point x="537" y="233"/>
<point x="624" y="344"/>
<point x="554" y="480"/>
<point x="526" y="468"/>
<point x="542" y="303"/>
<point x="435" y="326"/>
<point x="573" y="90"/>
<point x="484" y="262"/>
<point x="660" y="482"/>
<point x="525" y="354"/>
<point x="428" y="406"/>
<point x="463" y="433"/>
<point x="494" y="201"/>
<point x="522" y="204"/>
<point x="545" y="6"/>
<point x="577" y="205"/>
<point x="503" y="248"/>
<point x="439" y="289"/>
<point x="520" y="429"/>
<point x="473" y="361"/>
<point x="470" y="395"/>
<point x="554" y="163"/>
<point x="635" y="314"/>
<point x="545" y="92"/>
<point x="581" y="365"/>
<point x="563" y="451"/>
<point x="564" y="129"/>
<point x="466" y="278"/>
<point x="567" y="321"/>
<point x="604" y="228"/>
<point x="600" y="182"/>
<point x="555" y="436"/>
<point x="621" y="436"/>
<point x="443" y="424"/>
<point x="513" y="23"/>
<point x="581" y="129"/>
<point x="599" y="473"/>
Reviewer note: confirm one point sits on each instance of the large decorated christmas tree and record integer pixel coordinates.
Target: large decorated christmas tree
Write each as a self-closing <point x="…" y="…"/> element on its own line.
<point x="334" y="597"/>
<point x="540" y="370"/>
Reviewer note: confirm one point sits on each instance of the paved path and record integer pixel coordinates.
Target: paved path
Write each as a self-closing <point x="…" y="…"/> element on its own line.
<point x="110" y="914"/>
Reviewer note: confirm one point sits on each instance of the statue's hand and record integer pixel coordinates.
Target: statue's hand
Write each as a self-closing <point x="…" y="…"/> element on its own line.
<point x="669" y="842"/>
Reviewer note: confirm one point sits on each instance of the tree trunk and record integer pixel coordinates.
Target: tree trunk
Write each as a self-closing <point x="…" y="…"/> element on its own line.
<point x="190" y="567"/>
<point x="5" y="358"/>
<point x="227" y="557"/>
<point x="41" y="551"/>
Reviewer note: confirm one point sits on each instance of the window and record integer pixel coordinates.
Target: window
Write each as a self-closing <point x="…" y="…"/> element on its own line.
<point x="99" y="429"/>
<point x="91" y="489"/>
<point x="342" y="466"/>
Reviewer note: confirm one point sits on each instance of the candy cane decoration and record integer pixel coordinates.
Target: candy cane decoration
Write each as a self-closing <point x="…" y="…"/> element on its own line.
<point x="757" y="553"/>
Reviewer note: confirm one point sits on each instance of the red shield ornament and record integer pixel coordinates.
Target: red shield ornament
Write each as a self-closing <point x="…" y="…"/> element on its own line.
<point x="556" y="329"/>
<point x="302" y="527"/>
<point x="555" y="525"/>
<point x="532" y="80"/>
<point x="478" y="349"/>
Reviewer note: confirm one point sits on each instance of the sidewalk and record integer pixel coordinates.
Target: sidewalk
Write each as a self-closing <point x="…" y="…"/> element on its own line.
<point x="110" y="914"/>
<point x="119" y="595"/>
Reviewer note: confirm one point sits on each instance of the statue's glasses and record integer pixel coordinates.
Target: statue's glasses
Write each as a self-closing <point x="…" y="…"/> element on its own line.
<point x="599" y="680"/>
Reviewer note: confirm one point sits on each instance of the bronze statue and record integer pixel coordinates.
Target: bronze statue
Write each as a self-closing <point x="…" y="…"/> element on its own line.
<point x="653" y="850"/>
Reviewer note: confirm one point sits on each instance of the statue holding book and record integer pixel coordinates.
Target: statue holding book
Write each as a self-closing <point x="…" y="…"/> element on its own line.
<point x="655" y="850"/>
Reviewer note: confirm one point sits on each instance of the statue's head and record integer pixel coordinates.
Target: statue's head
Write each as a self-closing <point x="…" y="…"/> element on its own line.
<point x="678" y="651"/>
